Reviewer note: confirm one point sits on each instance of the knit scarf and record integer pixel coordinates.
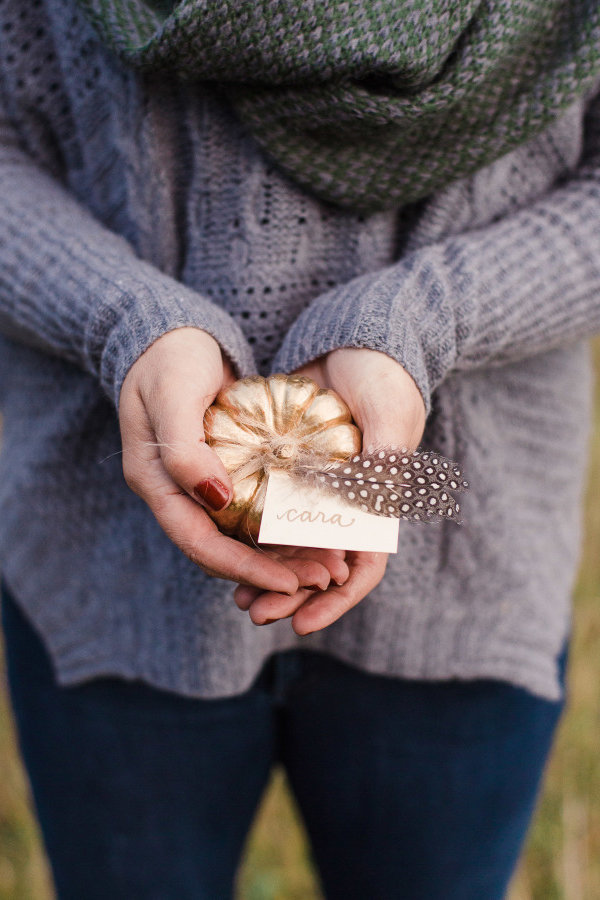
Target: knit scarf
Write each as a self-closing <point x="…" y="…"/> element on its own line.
<point x="371" y="104"/>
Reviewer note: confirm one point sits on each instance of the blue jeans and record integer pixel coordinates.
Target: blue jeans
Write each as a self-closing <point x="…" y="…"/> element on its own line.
<point x="409" y="790"/>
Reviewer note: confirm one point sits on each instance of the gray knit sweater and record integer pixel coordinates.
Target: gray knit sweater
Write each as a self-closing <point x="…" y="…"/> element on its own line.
<point x="132" y="206"/>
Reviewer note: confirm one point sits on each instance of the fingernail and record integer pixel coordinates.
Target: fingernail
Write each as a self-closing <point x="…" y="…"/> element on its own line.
<point x="213" y="493"/>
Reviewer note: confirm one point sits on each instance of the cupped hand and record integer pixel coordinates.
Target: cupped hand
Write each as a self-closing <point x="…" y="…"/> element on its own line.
<point x="388" y="407"/>
<point x="167" y="462"/>
<point x="384" y="400"/>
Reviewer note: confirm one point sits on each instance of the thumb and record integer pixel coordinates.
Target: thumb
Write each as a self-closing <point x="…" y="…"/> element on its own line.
<point x="392" y="414"/>
<point x="190" y="462"/>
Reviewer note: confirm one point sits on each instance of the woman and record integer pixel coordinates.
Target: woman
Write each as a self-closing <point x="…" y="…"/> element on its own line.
<point x="402" y="203"/>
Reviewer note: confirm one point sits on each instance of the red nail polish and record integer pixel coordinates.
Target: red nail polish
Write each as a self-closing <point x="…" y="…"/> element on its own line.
<point x="212" y="493"/>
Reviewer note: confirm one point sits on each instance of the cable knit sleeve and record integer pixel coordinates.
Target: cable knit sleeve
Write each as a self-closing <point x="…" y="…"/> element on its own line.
<point x="520" y="286"/>
<point x="71" y="287"/>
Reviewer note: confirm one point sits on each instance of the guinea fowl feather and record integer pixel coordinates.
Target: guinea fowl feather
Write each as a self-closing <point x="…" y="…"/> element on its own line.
<point x="415" y="486"/>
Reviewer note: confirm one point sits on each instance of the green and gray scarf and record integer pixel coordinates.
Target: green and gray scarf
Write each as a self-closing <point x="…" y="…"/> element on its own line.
<point x="372" y="103"/>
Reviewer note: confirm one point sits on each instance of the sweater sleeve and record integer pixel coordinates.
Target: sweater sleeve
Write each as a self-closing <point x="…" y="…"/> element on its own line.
<point x="522" y="285"/>
<point x="73" y="288"/>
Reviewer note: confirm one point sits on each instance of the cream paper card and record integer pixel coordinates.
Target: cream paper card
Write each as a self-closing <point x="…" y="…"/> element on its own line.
<point x="303" y="517"/>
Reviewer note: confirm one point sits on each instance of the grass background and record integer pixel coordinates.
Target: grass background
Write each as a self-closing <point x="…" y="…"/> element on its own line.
<point x="562" y="859"/>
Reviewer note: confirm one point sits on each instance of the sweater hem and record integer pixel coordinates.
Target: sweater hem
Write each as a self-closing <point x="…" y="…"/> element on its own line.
<point x="541" y="681"/>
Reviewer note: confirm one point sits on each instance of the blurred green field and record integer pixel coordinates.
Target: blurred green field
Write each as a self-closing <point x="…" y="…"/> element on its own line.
<point x="562" y="860"/>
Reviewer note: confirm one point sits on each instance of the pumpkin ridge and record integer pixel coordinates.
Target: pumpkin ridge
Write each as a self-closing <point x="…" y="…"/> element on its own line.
<point x="301" y="408"/>
<point x="248" y="427"/>
<point x="331" y="423"/>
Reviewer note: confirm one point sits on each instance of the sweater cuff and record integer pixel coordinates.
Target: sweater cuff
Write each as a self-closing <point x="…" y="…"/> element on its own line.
<point x="363" y="313"/>
<point x="137" y="311"/>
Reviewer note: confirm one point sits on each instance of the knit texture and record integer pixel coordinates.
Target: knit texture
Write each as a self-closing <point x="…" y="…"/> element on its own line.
<point x="132" y="205"/>
<point x="375" y="103"/>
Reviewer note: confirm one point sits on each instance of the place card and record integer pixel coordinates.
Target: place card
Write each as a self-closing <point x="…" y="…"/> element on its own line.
<point x="302" y="516"/>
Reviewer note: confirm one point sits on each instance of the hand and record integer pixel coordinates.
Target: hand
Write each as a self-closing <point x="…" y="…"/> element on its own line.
<point x="168" y="464"/>
<point x="389" y="409"/>
<point x="385" y="402"/>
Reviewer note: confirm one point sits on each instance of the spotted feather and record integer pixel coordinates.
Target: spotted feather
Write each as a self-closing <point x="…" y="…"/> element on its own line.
<point x="415" y="486"/>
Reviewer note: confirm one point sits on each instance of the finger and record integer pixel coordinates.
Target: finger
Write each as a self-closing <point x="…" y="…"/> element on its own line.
<point x="244" y="595"/>
<point x="385" y="401"/>
<point x="198" y="537"/>
<point x="309" y="572"/>
<point x="187" y="458"/>
<point x="172" y="434"/>
<point x="321" y="610"/>
<point x="265" y="607"/>
<point x="333" y="560"/>
<point x="271" y="606"/>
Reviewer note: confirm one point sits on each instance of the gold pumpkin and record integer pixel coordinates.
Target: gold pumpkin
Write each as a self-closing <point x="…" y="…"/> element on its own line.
<point x="259" y="423"/>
